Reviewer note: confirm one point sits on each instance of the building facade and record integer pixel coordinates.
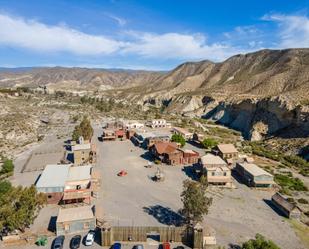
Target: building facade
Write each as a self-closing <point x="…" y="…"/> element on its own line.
<point x="215" y="169"/>
<point x="75" y="220"/>
<point x="254" y="176"/>
<point x="286" y="208"/>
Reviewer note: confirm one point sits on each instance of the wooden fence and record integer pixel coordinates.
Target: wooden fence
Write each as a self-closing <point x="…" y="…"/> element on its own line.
<point x="186" y="235"/>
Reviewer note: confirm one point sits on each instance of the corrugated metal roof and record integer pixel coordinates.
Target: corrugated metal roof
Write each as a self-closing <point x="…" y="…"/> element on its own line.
<point x="254" y="169"/>
<point x="78" y="173"/>
<point x="54" y="175"/>
<point x="212" y="159"/>
<point x="75" y="214"/>
<point x="283" y="202"/>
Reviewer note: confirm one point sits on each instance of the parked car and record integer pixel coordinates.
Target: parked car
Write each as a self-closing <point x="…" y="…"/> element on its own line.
<point x="58" y="242"/>
<point x="166" y="245"/>
<point x="90" y="238"/>
<point x="75" y="242"/>
<point x="117" y="246"/>
<point x="139" y="246"/>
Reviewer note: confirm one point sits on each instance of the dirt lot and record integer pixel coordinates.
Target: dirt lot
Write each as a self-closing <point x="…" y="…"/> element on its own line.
<point x="135" y="199"/>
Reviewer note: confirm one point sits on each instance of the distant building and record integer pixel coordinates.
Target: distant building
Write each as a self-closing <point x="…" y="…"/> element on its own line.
<point x="75" y="220"/>
<point x="169" y="153"/>
<point x="215" y="169"/>
<point x="158" y="123"/>
<point x="109" y="135"/>
<point x="147" y="139"/>
<point x="288" y="209"/>
<point x="183" y="132"/>
<point x="226" y="151"/>
<point x="254" y="176"/>
<point x="133" y="125"/>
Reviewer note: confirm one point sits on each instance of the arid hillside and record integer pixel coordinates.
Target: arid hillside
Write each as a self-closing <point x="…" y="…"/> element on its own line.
<point x="60" y="78"/>
<point x="261" y="94"/>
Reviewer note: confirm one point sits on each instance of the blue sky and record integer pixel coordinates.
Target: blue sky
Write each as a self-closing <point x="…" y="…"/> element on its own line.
<point x="154" y="35"/>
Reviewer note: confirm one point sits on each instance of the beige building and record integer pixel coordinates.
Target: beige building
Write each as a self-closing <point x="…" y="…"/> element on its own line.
<point x="216" y="170"/>
<point x="183" y="132"/>
<point x="84" y="153"/>
<point x="227" y="151"/>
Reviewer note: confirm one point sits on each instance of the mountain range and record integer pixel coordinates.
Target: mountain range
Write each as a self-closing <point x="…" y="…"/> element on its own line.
<point x="262" y="94"/>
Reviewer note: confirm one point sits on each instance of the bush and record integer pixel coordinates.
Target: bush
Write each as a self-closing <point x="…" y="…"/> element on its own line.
<point x="7" y="167"/>
<point x="302" y="201"/>
<point x="179" y="139"/>
<point x="290" y="183"/>
<point x="209" y="143"/>
<point x="259" y="243"/>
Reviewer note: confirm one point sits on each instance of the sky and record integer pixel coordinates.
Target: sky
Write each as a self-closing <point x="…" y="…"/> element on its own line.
<point x="145" y="34"/>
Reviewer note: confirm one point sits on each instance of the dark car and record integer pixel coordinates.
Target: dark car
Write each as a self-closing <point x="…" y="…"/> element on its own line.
<point x="117" y="246"/>
<point x="58" y="242"/>
<point x="75" y="242"/>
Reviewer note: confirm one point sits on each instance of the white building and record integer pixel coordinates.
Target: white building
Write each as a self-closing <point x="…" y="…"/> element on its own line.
<point x="133" y="125"/>
<point x="158" y="123"/>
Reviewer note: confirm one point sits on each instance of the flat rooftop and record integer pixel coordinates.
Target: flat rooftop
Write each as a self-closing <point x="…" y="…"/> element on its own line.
<point x="254" y="170"/>
<point x="78" y="173"/>
<point x="212" y="159"/>
<point x="75" y="214"/>
<point x="85" y="146"/>
<point x="54" y="175"/>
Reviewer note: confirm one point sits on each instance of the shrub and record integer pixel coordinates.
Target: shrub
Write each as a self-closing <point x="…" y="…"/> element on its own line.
<point x="290" y="183"/>
<point x="209" y="143"/>
<point x="302" y="201"/>
<point x="179" y="139"/>
<point x="259" y="243"/>
<point x="7" y="167"/>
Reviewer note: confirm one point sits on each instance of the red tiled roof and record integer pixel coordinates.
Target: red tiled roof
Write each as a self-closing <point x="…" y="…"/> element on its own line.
<point x="165" y="147"/>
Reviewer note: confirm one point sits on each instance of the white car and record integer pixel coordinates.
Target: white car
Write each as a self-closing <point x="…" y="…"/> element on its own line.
<point x="89" y="238"/>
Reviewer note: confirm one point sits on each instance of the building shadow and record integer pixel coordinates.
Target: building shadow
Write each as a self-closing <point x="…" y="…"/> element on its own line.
<point x="189" y="171"/>
<point x="273" y="207"/>
<point x="237" y="177"/>
<point x="52" y="224"/>
<point x="148" y="156"/>
<point x="165" y="215"/>
<point x="234" y="246"/>
<point x="100" y="139"/>
<point x="195" y="144"/>
<point x="70" y="157"/>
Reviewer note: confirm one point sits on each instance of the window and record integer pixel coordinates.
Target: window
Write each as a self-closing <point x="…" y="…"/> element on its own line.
<point x="213" y="173"/>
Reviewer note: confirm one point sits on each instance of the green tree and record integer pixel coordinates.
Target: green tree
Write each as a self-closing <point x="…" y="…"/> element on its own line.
<point x="177" y="138"/>
<point x="259" y="243"/>
<point x="195" y="202"/>
<point x="84" y="129"/>
<point x="19" y="207"/>
<point x="209" y="143"/>
<point x="7" y="167"/>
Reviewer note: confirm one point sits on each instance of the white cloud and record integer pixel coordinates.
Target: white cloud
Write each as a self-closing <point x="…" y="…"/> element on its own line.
<point x="121" y="21"/>
<point x="175" y="45"/>
<point x="30" y="34"/>
<point x="293" y="30"/>
<point x="36" y="36"/>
